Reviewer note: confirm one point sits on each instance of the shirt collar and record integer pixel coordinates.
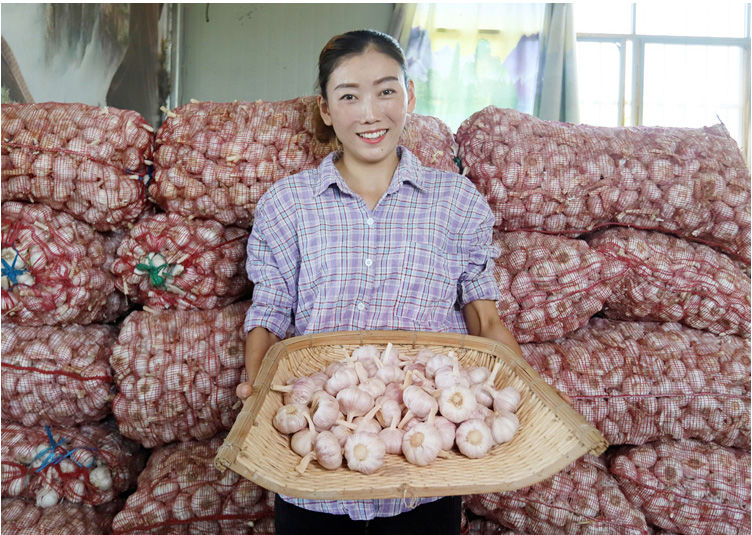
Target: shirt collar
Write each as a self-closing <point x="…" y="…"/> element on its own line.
<point x="408" y="170"/>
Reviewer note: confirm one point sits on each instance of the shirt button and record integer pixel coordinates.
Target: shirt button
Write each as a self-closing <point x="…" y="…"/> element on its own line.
<point x="369" y="261"/>
<point x="361" y="306"/>
<point x="369" y="221"/>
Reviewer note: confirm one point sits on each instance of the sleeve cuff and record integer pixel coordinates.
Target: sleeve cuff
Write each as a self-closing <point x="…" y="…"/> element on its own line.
<point x="267" y="317"/>
<point x="482" y="287"/>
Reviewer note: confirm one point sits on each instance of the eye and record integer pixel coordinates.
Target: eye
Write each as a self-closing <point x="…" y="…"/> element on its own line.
<point x="388" y="92"/>
<point x="347" y="97"/>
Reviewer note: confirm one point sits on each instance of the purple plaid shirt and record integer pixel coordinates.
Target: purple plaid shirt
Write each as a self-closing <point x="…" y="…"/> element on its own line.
<point x="322" y="261"/>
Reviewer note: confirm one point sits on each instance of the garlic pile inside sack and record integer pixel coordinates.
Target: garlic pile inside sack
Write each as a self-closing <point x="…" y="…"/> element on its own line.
<point x="375" y="403"/>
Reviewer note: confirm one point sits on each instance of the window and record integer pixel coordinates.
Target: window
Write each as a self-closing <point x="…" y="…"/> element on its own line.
<point x="665" y="64"/>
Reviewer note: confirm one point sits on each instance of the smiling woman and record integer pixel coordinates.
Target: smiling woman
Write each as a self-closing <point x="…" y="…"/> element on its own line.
<point x="369" y="240"/>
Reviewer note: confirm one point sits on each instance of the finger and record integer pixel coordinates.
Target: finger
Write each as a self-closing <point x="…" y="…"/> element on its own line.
<point x="243" y="390"/>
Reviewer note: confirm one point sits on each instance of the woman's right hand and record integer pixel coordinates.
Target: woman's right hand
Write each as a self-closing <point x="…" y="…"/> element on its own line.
<point x="257" y="343"/>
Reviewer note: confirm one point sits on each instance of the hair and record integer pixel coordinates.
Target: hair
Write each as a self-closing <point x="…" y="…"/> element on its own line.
<point x="343" y="46"/>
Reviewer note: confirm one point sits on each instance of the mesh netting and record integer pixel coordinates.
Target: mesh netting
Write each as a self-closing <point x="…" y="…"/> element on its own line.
<point x="639" y="381"/>
<point x="560" y="177"/>
<point x="56" y="375"/>
<point x="23" y="517"/>
<point x="89" y="463"/>
<point x="181" y="492"/>
<point x="581" y="499"/>
<point x="84" y="160"/>
<point x="671" y="279"/>
<point x="54" y="269"/>
<point x="176" y="372"/>
<point x="687" y="486"/>
<point x="215" y="160"/>
<point x="169" y="261"/>
<point x="550" y="285"/>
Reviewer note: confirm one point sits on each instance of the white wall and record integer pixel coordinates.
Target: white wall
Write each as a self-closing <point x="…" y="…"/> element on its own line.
<point x="262" y="51"/>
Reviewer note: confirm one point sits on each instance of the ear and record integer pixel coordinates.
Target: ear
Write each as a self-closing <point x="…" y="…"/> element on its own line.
<point x="410" y="96"/>
<point x="324" y="110"/>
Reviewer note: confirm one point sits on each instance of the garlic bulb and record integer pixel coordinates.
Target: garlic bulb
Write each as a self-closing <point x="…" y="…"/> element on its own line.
<point x="447" y="431"/>
<point x="302" y="441"/>
<point x="341" y="432"/>
<point x="503" y="426"/>
<point x="457" y="403"/>
<point x="47" y="498"/>
<point x="437" y="362"/>
<point x="421" y="444"/>
<point x="507" y="399"/>
<point x="392" y="437"/>
<point x="388" y="411"/>
<point x="478" y="374"/>
<point x="328" y="450"/>
<point x="364" y="452"/>
<point x="390" y="356"/>
<point x="473" y="438"/>
<point x="101" y="477"/>
<point x="448" y="377"/>
<point x="290" y="418"/>
<point x="298" y="392"/>
<point x="341" y="379"/>
<point x="325" y="412"/>
<point x="354" y="401"/>
<point x="418" y="402"/>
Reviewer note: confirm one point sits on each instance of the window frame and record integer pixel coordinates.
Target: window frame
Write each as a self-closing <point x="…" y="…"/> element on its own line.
<point x="636" y="42"/>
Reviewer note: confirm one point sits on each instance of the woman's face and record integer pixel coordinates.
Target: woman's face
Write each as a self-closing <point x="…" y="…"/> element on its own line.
<point x="367" y="105"/>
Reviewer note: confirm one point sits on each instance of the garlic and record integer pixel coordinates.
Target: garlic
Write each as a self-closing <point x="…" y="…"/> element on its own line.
<point x="437" y="362"/>
<point x="47" y="498"/>
<point x="447" y="431"/>
<point x="418" y="402"/>
<point x="328" y="450"/>
<point x="302" y="441"/>
<point x="450" y="376"/>
<point x="388" y="411"/>
<point x="354" y="401"/>
<point x="101" y="477"/>
<point x="364" y="424"/>
<point x="390" y="356"/>
<point x="290" y="418"/>
<point x="503" y="426"/>
<point x="375" y="387"/>
<point x="508" y="398"/>
<point x="341" y="379"/>
<point x="298" y="392"/>
<point x="364" y="452"/>
<point x="422" y="444"/>
<point x="478" y="374"/>
<point x="473" y="438"/>
<point x="341" y="432"/>
<point x="392" y="437"/>
<point x="457" y="403"/>
<point x="325" y="411"/>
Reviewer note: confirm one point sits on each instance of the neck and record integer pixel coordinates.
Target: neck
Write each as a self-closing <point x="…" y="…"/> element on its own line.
<point x="368" y="178"/>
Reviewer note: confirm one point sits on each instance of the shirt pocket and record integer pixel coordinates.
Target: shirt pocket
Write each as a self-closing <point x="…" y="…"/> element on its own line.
<point x="428" y="288"/>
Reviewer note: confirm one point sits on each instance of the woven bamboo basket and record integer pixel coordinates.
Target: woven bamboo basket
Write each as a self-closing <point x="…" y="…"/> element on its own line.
<point x="551" y="434"/>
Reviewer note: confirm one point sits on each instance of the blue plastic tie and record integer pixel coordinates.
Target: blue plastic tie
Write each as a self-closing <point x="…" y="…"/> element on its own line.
<point x="51" y="458"/>
<point x="11" y="271"/>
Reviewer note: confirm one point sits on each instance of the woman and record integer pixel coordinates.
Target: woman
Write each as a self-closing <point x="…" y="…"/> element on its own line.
<point x="370" y="239"/>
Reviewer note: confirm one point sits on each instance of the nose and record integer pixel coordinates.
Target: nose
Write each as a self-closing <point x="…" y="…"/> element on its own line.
<point x="368" y="112"/>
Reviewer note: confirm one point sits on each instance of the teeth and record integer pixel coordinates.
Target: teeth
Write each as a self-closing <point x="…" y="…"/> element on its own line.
<point x="373" y="135"/>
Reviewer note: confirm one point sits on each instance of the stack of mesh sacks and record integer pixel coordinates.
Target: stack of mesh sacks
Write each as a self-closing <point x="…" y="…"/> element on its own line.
<point x="624" y="274"/>
<point x="73" y="179"/>
<point x="178" y="360"/>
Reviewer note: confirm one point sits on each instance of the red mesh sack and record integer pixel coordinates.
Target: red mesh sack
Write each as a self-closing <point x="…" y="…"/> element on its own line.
<point x="639" y="381"/>
<point x="687" y="486"/>
<point x="90" y="463"/>
<point x="550" y="285"/>
<point x="672" y="279"/>
<point x="23" y="517"/>
<point x="53" y="269"/>
<point x="581" y="499"/>
<point x="560" y="177"/>
<point x="84" y="160"/>
<point x="216" y="160"/>
<point x="56" y="375"/>
<point x="169" y="261"/>
<point x="181" y="492"/>
<point x="176" y="372"/>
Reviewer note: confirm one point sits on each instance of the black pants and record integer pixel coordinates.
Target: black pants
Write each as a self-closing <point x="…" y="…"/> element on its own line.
<point x="441" y="517"/>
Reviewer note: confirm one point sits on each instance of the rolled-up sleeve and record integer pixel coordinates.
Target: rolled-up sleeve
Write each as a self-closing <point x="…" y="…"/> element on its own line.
<point x="477" y="281"/>
<point x="272" y="263"/>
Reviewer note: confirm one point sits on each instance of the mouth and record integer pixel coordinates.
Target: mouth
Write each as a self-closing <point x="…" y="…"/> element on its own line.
<point x="372" y="137"/>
